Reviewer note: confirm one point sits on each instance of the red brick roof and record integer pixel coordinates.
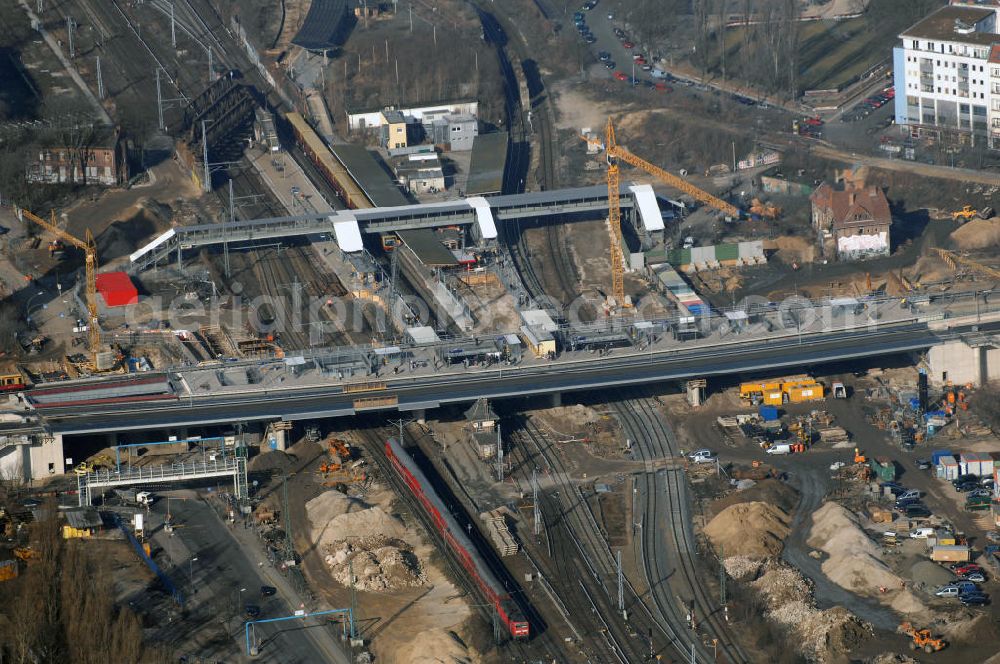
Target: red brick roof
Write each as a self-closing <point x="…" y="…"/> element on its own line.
<point x="995" y="54"/>
<point x="853" y="205"/>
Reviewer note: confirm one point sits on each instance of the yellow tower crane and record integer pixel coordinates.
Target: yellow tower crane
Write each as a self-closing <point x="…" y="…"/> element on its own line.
<point x="615" y="153"/>
<point x="89" y="248"/>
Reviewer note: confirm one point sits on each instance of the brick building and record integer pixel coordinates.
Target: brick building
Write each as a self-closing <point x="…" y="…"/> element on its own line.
<point x="94" y="157"/>
<point x="852" y="220"/>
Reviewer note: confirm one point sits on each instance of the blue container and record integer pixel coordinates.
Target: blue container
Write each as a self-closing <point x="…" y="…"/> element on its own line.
<point x="937" y="454"/>
<point x="768" y="413"/>
<point x="935" y="413"/>
<point x="915" y="403"/>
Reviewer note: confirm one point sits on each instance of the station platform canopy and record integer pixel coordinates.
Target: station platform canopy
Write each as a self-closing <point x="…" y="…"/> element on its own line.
<point x="649" y="210"/>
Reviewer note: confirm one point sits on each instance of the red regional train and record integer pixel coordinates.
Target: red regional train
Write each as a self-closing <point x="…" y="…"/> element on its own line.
<point x="509" y="612"/>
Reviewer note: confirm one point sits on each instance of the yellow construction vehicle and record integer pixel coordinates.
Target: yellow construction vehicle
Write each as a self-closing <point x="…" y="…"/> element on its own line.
<point x="922" y="639"/>
<point x="615" y="153"/>
<point x="859" y="457"/>
<point x="27" y="554"/>
<point x="89" y="248"/>
<point x="965" y="214"/>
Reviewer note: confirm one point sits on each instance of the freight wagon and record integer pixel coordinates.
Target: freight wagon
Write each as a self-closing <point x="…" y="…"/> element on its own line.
<point x="508" y="611"/>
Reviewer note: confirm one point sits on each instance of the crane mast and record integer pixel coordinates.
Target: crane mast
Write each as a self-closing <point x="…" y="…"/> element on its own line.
<point x="89" y="248"/>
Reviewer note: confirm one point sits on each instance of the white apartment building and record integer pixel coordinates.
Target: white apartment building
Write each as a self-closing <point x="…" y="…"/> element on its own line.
<point x="946" y="74"/>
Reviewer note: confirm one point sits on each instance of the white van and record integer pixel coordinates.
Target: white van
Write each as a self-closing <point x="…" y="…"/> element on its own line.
<point x="922" y="533"/>
<point x="780" y="448"/>
<point x="702" y="456"/>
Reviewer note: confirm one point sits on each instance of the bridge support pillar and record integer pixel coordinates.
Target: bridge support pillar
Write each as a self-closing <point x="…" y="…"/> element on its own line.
<point x="696" y="392"/>
<point x="420" y="415"/>
<point x="276" y="436"/>
<point x="556" y="399"/>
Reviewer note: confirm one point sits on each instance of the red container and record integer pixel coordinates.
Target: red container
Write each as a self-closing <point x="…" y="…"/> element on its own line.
<point x="117" y="289"/>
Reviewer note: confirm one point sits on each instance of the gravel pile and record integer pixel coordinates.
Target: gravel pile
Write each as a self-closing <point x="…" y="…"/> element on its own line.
<point x="755" y="530"/>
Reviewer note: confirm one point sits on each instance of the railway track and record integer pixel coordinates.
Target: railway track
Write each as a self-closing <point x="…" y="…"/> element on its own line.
<point x="626" y="639"/>
<point x="374" y="440"/>
<point x="666" y="496"/>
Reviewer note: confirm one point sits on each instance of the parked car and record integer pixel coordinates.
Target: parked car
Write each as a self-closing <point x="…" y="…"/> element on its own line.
<point x="604" y="56"/>
<point x="895" y="488"/>
<point x="702" y="456"/>
<point x="663" y="87"/>
<point x="267" y="591"/>
<point x="974" y="600"/>
<point x="947" y="591"/>
<point x="965" y="587"/>
<point x="252" y="611"/>
<point x="917" y="511"/>
<point x="906" y="495"/>
<point x="590" y="39"/>
<point x="646" y="67"/>
<point x="902" y="504"/>
<point x="780" y="448"/>
<point x="621" y="76"/>
<point x="993" y="536"/>
<point x="965" y="568"/>
<point x="923" y="464"/>
<point x="965" y="487"/>
<point x="628" y="44"/>
<point x="961" y="479"/>
<point x="979" y="493"/>
<point x="610" y="64"/>
<point x="975" y="577"/>
<point x="921" y="533"/>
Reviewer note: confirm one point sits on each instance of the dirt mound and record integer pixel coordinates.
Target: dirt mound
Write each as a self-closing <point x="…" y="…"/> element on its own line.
<point x="122" y="237"/>
<point x="930" y="574"/>
<point x="767" y="490"/>
<point x="273" y="460"/>
<point x="790" y="249"/>
<point x="379" y="564"/>
<point x="754" y="529"/>
<point x="742" y="567"/>
<point x="855" y="561"/>
<point x="335" y="517"/>
<point x="782" y="585"/>
<point x="435" y="646"/>
<point x="977" y="234"/>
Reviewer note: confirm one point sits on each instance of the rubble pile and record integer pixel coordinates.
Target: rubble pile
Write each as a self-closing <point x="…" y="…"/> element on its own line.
<point x="379" y="564"/>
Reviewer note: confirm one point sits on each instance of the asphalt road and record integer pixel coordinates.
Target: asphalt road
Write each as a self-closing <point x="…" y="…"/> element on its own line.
<point x="229" y="560"/>
<point x="427" y="392"/>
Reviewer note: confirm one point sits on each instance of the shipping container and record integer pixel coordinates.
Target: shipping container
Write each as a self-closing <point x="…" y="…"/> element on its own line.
<point x="803" y="393"/>
<point x="773" y="398"/>
<point x="768" y="413"/>
<point x="937" y="454"/>
<point x="883" y="468"/>
<point x="947" y="468"/>
<point x="950" y="554"/>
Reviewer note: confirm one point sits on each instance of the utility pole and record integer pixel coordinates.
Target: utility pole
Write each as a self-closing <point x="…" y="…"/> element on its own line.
<point x="499" y="456"/>
<point x="100" y="80"/>
<point x="206" y="186"/>
<point x="209" y="64"/>
<point x="289" y="546"/>
<point x="534" y="502"/>
<point x="722" y="578"/>
<point x="69" y="32"/>
<point x="173" y="30"/>
<point x="159" y="100"/>
<point x="354" y="596"/>
<point x="621" y="586"/>
<point x="411" y="17"/>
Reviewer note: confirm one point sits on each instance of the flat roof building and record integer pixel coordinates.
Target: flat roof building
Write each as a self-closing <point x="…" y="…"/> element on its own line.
<point x="945" y="79"/>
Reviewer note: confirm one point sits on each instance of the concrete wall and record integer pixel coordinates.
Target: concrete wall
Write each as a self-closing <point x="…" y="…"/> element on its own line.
<point x="48" y="458"/>
<point x="958" y="363"/>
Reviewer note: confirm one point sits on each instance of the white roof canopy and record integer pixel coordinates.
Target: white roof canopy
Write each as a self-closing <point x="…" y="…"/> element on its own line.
<point x="649" y="211"/>
<point x="484" y="217"/>
<point x="348" y="233"/>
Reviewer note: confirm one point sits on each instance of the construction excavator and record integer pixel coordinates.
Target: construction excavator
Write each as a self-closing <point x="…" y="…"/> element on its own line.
<point x="615" y="154"/>
<point x="764" y="210"/>
<point x="922" y="639"/>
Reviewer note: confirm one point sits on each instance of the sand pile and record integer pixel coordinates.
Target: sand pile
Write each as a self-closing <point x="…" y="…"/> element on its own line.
<point x="822" y="634"/>
<point x="790" y="249"/>
<point x="890" y="658"/>
<point x="977" y="234"/>
<point x="336" y="517"/>
<point x="379" y="564"/>
<point x="754" y="529"/>
<point x="742" y="567"/>
<point x="435" y="646"/>
<point x="855" y="561"/>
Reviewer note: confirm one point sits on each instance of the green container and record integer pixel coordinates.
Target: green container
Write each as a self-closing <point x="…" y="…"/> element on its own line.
<point x="886" y="473"/>
<point x="727" y="252"/>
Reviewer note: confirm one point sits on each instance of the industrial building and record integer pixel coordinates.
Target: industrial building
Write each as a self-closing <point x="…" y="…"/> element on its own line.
<point x="425" y="114"/>
<point x="419" y="173"/>
<point x="489" y="160"/>
<point x="946" y="71"/>
<point x="455" y="132"/>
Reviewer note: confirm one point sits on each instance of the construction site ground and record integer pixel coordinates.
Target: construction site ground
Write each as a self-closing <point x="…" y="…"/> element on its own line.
<point x="809" y="473"/>
<point x="404" y="625"/>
